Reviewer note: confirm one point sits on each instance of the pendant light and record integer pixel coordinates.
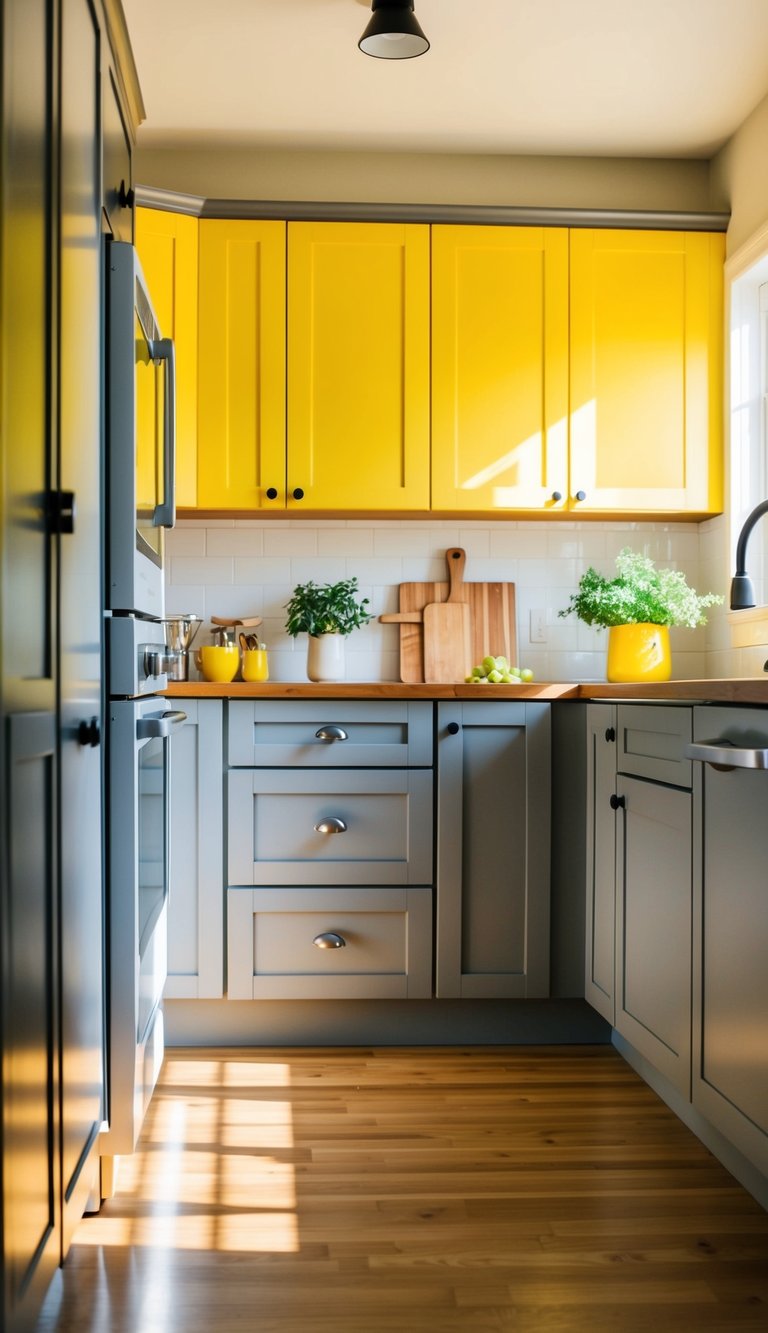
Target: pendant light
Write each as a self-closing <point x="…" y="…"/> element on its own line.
<point x="393" y="32"/>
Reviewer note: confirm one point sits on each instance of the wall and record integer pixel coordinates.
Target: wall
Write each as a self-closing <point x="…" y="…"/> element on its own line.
<point x="447" y="178"/>
<point x="739" y="177"/>
<point x="241" y="567"/>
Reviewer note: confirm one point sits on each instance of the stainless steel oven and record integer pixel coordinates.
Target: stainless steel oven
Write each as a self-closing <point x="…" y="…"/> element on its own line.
<point x="140" y="733"/>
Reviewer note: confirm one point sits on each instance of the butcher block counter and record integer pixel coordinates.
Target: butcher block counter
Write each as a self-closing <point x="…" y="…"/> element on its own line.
<point x="744" y="690"/>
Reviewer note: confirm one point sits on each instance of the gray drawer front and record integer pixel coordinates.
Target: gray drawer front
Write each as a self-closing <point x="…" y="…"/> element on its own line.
<point x="386" y="734"/>
<point x="387" y="952"/>
<point x="651" y="742"/>
<point x="273" y="813"/>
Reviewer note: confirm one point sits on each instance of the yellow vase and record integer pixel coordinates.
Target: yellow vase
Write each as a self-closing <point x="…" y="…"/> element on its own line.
<point x="638" y="653"/>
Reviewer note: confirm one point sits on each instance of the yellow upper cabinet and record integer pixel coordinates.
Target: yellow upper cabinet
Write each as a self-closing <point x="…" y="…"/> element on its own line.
<point x="241" y="379"/>
<point x="499" y="368"/>
<point x="358" y="366"/>
<point x="167" y="248"/>
<point x="646" y="371"/>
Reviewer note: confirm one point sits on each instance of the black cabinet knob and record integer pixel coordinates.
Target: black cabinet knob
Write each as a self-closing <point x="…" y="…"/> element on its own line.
<point x="453" y="728"/>
<point x="580" y="495"/>
<point x="271" y="492"/>
<point x="557" y="495"/>
<point x="125" y="196"/>
<point x="617" y="803"/>
<point x="610" y="733"/>
<point x="298" y="493"/>
<point x="89" y="733"/>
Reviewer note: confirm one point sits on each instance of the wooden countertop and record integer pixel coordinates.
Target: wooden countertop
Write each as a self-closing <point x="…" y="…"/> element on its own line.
<point x="745" y="690"/>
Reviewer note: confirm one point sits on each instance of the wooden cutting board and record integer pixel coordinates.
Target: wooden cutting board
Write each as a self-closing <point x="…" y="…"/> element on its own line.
<point x="493" y="627"/>
<point x="446" y="636"/>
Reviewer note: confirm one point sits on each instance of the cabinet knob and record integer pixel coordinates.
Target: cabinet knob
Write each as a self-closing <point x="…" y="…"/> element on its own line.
<point x="331" y="734"/>
<point x="330" y="825"/>
<point x="329" y="940"/>
<point x="297" y="493"/>
<point x="453" y="728"/>
<point x="580" y="495"/>
<point x="618" y="803"/>
<point x="271" y="492"/>
<point x="610" y="733"/>
<point x="89" y="733"/>
<point x="557" y="495"/>
<point x="125" y="196"/>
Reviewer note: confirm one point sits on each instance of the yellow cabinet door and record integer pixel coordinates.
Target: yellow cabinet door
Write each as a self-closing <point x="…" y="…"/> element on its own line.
<point x="646" y="371"/>
<point x="167" y="249"/>
<point x="241" y="366"/>
<point x="358" y="366"/>
<point x="499" y="368"/>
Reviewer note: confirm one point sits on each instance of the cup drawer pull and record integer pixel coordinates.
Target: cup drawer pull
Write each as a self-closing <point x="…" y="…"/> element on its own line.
<point x="331" y="734"/>
<point x="330" y="825"/>
<point x="329" y="940"/>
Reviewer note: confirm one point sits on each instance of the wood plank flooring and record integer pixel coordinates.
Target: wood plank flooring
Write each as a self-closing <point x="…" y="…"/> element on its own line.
<point x="440" y="1190"/>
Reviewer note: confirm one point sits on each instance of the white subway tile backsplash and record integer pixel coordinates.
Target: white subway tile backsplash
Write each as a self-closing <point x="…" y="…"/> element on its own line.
<point x="181" y="541"/>
<point x="517" y="543"/>
<point x="189" y="569"/>
<point x="319" y="570"/>
<point x="232" y="601"/>
<point x="264" y="571"/>
<point x="345" y="542"/>
<point x="185" y="600"/>
<point x="293" y="542"/>
<point x="235" y="542"/>
<point x="218" y="568"/>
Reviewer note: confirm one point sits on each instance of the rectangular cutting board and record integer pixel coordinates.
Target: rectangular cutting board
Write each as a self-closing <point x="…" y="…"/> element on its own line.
<point x="493" y="628"/>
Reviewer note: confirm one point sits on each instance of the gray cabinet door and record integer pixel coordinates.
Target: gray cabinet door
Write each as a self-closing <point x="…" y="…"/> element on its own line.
<point x="730" y="984"/>
<point x="599" y="978"/>
<point x="196" y="896"/>
<point x="31" y="1177"/>
<point x="343" y="733"/>
<point x="493" y="826"/>
<point x="80" y="609"/>
<point x="348" y="826"/>
<point x="380" y="938"/>
<point x="653" y="926"/>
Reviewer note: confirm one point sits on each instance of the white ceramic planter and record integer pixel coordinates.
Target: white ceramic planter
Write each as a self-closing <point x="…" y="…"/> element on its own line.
<point x="325" y="657"/>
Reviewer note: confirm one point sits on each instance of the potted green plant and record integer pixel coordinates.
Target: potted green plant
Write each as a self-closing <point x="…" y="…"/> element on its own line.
<point x="637" y="607"/>
<point x="327" y="613"/>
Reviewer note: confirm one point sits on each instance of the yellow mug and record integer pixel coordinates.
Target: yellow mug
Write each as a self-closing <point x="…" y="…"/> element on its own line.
<point x="255" y="664"/>
<point x="219" y="663"/>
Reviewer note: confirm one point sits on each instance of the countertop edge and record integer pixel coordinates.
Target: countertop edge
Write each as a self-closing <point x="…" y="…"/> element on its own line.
<point x="741" y="690"/>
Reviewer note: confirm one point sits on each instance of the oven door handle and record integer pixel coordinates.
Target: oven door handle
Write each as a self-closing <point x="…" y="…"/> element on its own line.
<point x="162" y="349"/>
<point x="149" y="727"/>
<point x="722" y="754"/>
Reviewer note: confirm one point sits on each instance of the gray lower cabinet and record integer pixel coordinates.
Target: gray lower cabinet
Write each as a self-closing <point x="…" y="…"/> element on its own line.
<point x="493" y="839"/>
<point x="329" y="850"/>
<point x="653" y="926"/>
<point x="639" y="880"/>
<point x="730" y="953"/>
<point x="196" y="895"/>
<point x="600" y="934"/>
<point x="332" y="944"/>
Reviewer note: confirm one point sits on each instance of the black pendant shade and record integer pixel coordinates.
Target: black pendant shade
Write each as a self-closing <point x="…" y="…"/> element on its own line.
<point x="393" y="32"/>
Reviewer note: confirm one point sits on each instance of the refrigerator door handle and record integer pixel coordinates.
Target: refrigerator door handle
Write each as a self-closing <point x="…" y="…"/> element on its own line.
<point x="162" y="349"/>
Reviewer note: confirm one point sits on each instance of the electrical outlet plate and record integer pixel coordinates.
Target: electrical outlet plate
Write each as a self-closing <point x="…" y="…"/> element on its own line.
<point x="538" y="627"/>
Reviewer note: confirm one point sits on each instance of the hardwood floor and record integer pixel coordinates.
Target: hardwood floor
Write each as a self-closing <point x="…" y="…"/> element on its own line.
<point x="415" y="1191"/>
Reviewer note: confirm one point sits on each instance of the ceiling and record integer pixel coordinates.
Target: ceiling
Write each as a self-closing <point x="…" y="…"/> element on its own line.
<point x="636" y="78"/>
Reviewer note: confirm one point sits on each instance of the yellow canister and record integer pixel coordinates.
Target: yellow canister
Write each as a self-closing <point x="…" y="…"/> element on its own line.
<point x="255" y="665"/>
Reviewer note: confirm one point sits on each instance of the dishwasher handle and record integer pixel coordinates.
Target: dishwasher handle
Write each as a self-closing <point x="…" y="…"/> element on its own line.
<point x="724" y="755"/>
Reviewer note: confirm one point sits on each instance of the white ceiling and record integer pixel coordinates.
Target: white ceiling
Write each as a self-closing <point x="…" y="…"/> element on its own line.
<point x="647" y="78"/>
